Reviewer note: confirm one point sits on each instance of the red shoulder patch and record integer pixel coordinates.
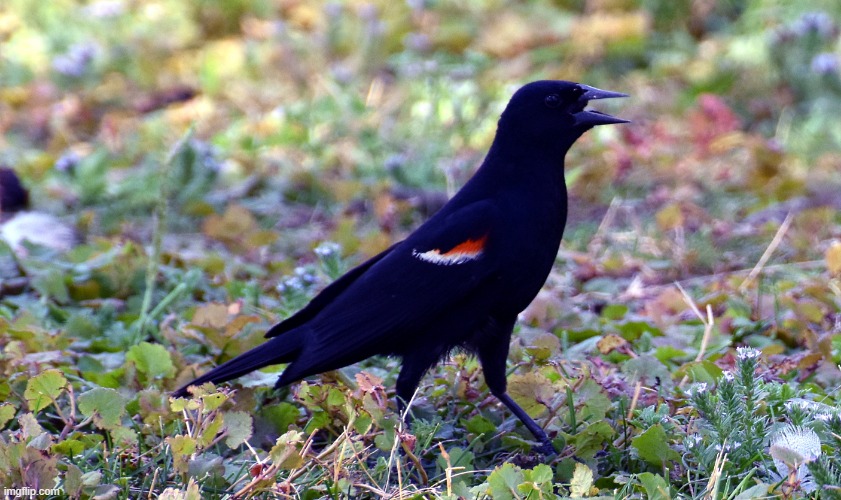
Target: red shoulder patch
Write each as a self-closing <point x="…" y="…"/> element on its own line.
<point x="465" y="251"/>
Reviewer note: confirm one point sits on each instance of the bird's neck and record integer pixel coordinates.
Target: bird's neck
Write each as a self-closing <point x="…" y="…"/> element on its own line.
<point x="514" y="164"/>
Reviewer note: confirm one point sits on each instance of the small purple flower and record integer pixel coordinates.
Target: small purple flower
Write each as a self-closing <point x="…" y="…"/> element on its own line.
<point x="819" y="23"/>
<point x="67" y="162"/>
<point x="825" y="63"/>
<point x="76" y="61"/>
<point x="105" y="9"/>
<point x="418" y="42"/>
<point x="333" y="10"/>
<point x="305" y="275"/>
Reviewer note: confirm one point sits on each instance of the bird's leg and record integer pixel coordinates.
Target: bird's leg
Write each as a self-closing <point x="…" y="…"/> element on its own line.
<point x="493" y="352"/>
<point x="414" y="368"/>
<point x="546" y="448"/>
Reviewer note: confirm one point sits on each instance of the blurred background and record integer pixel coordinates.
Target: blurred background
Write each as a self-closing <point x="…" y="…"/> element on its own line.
<point x="357" y="118"/>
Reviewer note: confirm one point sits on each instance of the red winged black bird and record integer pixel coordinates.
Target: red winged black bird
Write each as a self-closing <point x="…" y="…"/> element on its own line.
<point x="461" y="279"/>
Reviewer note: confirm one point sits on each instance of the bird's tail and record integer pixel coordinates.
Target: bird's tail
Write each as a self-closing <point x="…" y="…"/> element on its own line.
<point x="282" y="349"/>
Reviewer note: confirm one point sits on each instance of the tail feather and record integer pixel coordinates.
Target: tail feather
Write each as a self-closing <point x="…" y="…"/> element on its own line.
<point x="282" y="349"/>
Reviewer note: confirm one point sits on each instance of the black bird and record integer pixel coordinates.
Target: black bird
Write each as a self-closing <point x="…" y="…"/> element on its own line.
<point x="461" y="279"/>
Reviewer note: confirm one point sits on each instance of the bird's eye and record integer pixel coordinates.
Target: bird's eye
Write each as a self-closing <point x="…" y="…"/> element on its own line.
<point x="553" y="100"/>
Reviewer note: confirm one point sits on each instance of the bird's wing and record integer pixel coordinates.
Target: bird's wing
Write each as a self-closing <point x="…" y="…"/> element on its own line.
<point x="436" y="269"/>
<point x="326" y="296"/>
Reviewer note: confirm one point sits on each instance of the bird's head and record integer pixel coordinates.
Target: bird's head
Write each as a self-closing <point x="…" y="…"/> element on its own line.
<point x="554" y="112"/>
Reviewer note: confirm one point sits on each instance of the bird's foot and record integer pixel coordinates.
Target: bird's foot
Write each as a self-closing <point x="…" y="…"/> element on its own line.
<point x="546" y="448"/>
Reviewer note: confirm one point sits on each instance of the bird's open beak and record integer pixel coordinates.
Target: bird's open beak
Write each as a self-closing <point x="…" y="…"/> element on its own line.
<point x="591" y="117"/>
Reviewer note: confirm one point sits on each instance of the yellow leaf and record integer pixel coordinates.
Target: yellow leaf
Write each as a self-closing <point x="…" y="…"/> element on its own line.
<point x="533" y="391"/>
<point x="669" y="217"/>
<point x="543" y="345"/>
<point x="286" y="453"/>
<point x="238" y="323"/>
<point x="235" y="223"/>
<point x="261" y="238"/>
<point x="610" y="342"/>
<point x="582" y="481"/>
<point x="833" y="258"/>
<point x="211" y="315"/>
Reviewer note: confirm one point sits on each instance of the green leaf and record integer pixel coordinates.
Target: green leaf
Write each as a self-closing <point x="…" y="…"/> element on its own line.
<point x="43" y="389"/>
<point x="614" y="311"/>
<point x="182" y="447"/>
<point x="362" y="422"/>
<point x="212" y="401"/>
<point x="106" y="406"/>
<point x="533" y="391"/>
<point x="82" y="325"/>
<point x="542" y="473"/>
<point x="7" y="412"/>
<point x="656" y="488"/>
<point x="123" y="437"/>
<point x="281" y="415"/>
<point x="504" y="481"/>
<point x="459" y="457"/>
<point x="633" y="330"/>
<point x="51" y="284"/>
<point x="647" y="368"/>
<point x="152" y="360"/>
<point x="700" y="371"/>
<point x="582" y="481"/>
<point x="239" y="428"/>
<point x="73" y="481"/>
<point x="319" y="420"/>
<point x="667" y="353"/>
<point x="652" y="446"/>
<point x="479" y="425"/>
<point x="590" y="396"/>
<point x="286" y="452"/>
<point x="181" y="404"/>
<point x="335" y="397"/>
<point x="210" y="430"/>
<point x="757" y="491"/>
<point x="68" y="447"/>
<point x="205" y="464"/>
<point x="592" y="439"/>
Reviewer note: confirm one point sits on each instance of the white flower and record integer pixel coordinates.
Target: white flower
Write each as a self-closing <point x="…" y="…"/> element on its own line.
<point x="820" y="411"/>
<point x="696" y="389"/>
<point x="729" y="376"/>
<point x="693" y="439"/>
<point x="306" y="276"/>
<point x="728" y="446"/>
<point x="327" y="249"/>
<point x="290" y="284"/>
<point x="744" y="353"/>
<point x="792" y="448"/>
